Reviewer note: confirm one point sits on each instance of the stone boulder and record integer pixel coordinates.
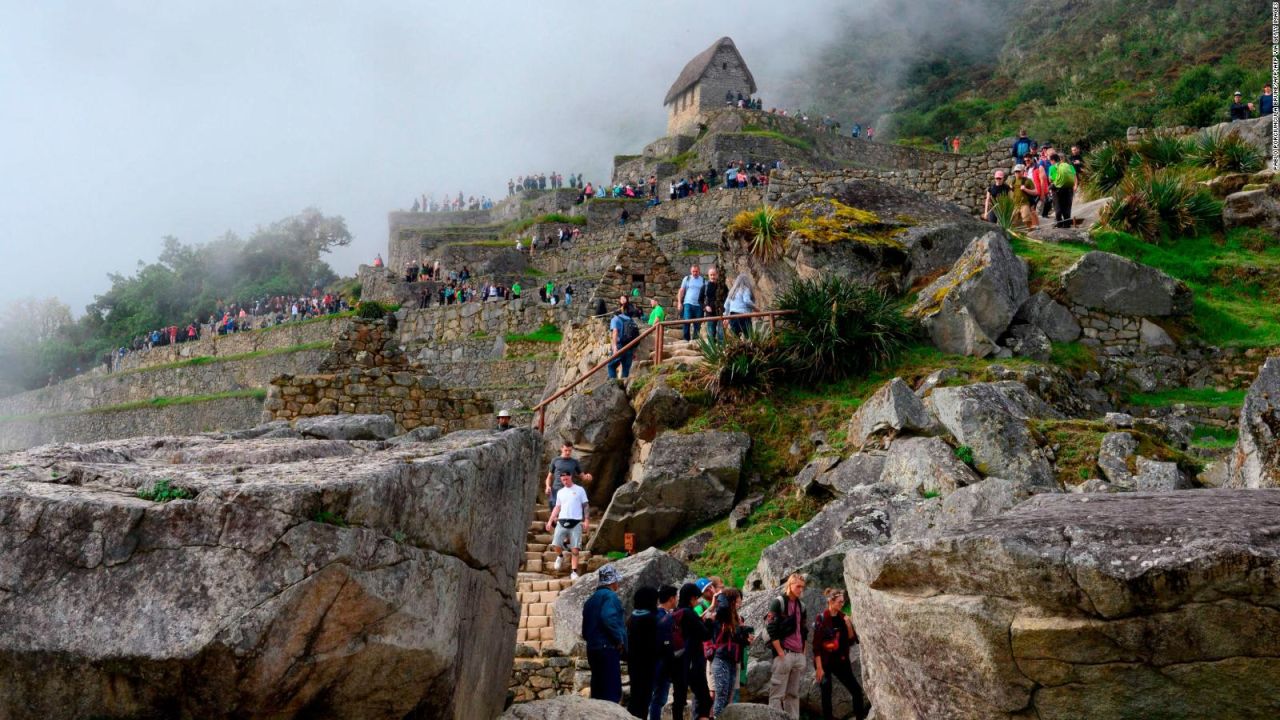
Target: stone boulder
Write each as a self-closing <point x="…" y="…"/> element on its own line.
<point x="1132" y="605"/>
<point x="991" y="418"/>
<point x="1120" y="286"/>
<point x="658" y="407"/>
<point x="861" y="468"/>
<point x="1028" y="341"/>
<point x="598" y="423"/>
<point x="1258" y="208"/>
<point x="347" y="427"/>
<point x="1116" y="458"/>
<point x="752" y="711"/>
<point x="1255" y="461"/>
<point x="652" y="567"/>
<point x="692" y="547"/>
<point x="921" y="466"/>
<point x="1049" y="315"/>
<point x="566" y="707"/>
<point x="687" y="480"/>
<point x="426" y="433"/>
<point x="967" y="309"/>
<point x="301" y="577"/>
<point x="892" y="409"/>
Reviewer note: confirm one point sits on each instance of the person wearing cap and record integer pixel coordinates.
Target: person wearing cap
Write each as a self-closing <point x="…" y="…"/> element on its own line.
<point x="1239" y="109"/>
<point x="504" y="420"/>
<point x="1024" y="194"/>
<point x="994" y="191"/>
<point x="569" y="516"/>
<point x="604" y="631"/>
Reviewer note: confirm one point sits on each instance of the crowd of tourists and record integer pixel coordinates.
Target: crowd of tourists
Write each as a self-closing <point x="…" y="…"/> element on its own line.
<point x="1043" y="180"/>
<point x="428" y="203"/>
<point x="230" y="318"/>
<point x="541" y="181"/>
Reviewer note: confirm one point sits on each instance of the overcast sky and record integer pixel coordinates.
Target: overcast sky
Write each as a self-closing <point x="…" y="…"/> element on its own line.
<point x="123" y="122"/>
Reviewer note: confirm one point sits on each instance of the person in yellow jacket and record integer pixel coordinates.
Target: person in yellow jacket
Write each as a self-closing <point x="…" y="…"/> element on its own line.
<point x="1062" y="176"/>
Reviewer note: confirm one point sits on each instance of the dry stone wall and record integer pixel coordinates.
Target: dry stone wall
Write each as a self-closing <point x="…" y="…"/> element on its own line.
<point x="412" y="400"/>
<point x="220" y="414"/>
<point x="290" y="334"/>
<point x="440" y="326"/>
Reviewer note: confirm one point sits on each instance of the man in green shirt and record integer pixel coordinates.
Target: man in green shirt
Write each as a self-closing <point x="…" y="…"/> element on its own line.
<point x="1063" y="178"/>
<point x="516" y="289"/>
<point x="657" y="314"/>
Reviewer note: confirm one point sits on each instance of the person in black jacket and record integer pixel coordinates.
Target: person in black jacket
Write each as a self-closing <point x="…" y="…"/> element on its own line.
<point x="714" y="294"/>
<point x="691" y="671"/>
<point x="642" y="657"/>
<point x="785" y="622"/>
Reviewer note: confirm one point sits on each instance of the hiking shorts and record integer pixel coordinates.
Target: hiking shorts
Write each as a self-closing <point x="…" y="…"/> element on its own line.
<point x="571" y="535"/>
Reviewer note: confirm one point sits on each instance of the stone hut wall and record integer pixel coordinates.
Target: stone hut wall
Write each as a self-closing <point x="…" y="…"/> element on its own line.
<point x="639" y="256"/>
<point x="413" y="400"/>
<point x="438" y="326"/>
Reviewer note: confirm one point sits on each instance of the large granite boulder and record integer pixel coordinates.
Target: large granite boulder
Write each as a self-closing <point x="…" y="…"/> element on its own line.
<point x="566" y="707"/>
<point x="658" y="407"/>
<point x="966" y="310"/>
<point x="1259" y="208"/>
<point x="860" y="468"/>
<point x="1255" y="461"/>
<point x="688" y="479"/>
<point x="1050" y="317"/>
<point x="991" y="418"/>
<point x="1131" y="605"/>
<point x="598" y="423"/>
<point x="1120" y="286"/>
<point x="652" y="567"/>
<point x="299" y="577"/>
<point x="892" y="409"/>
<point x="347" y="427"/>
<point x="925" y="466"/>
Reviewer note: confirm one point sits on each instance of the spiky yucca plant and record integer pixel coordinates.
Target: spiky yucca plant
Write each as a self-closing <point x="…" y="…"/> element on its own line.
<point x="765" y="231"/>
<point x="839" y="328"/>
<point x="738" y="368"/>
<point x="1161" y="150"/>
<point x="1152" y="205"/>
<point x="1006" y="211"/>
<point x="1226" y="152"/>
<point x="1106" y="166"/>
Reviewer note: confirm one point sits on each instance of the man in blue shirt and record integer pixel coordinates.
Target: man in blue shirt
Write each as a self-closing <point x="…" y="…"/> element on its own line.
<point x="604" y="631"/>
<point x="1266" y="102"/>
<point x="690" y="300"/>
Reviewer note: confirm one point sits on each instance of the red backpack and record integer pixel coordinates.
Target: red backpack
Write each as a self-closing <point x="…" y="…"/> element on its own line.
<point x="671" y="632"/>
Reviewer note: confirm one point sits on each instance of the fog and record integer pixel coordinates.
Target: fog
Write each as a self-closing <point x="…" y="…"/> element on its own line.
<point x="126" y="122"/>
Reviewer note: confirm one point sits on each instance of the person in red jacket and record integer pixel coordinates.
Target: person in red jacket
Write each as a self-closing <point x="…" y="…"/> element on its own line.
<point x="833" y="638"/>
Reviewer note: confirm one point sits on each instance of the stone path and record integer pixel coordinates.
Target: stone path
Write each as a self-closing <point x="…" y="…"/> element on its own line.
<point x="539" y="584"/>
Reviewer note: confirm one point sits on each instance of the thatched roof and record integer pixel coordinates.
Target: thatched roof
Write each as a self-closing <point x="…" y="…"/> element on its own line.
<point x="697" y="67"/>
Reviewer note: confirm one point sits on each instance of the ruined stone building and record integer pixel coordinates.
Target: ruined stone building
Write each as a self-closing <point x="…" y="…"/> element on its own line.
<point x="703" y="84"/>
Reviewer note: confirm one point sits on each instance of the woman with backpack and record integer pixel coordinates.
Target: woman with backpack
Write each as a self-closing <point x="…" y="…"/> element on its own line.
<point x="728" y="637"/>
<point x="691" y="671"/>
<point x="833" y="638"/>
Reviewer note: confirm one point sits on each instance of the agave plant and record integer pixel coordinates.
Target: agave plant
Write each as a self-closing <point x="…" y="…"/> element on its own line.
<point x="840" y="327"/>
<point x="1106" y="166"/>
<point x="1006" y="210"/>
<point x="1159" y="204"/>
<point x="1162" y="150"/>
<point x="1226" y="152"/>
<point x="765" y="231"/>
<point x="737" y="368"/>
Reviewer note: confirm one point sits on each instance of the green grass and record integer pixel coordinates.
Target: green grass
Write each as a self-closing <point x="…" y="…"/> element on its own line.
<point x="684" y="159"/>
<point x="212" y="359"/>
<point x="518" y="226"/>
<point x="733" y="554"/>
<point x="1075" y="356"/>
<point x="330" y="518"/>
<point x="164" y="491"/>
<point x="795" y="142"/>
<point x="964" y="454"/>
<point x="1078" y="443"/>
<point x="496" y="243"/>
<point x="1200" y="397"/>
<point x="548" y="333"/>
<point x="156" y="402"/>
<point x="1213" y="438"/>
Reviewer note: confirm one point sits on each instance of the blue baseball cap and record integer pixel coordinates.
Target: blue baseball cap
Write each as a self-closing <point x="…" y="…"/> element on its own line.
<point x="702" y="584"/>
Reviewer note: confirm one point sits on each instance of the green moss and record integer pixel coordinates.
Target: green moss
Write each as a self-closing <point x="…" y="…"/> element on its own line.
<point x="164" y="491"/>
<point x="1202" y="397"/>
<point x="795" y="142"/>
<point x="1076" y="357"/>
<point x="548" y="333"/>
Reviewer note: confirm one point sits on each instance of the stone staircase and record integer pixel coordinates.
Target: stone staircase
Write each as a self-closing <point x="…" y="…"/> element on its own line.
<point x="539" y="584"/>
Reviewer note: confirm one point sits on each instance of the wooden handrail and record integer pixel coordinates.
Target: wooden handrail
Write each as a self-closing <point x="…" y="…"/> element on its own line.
<point x="659" y="328"/>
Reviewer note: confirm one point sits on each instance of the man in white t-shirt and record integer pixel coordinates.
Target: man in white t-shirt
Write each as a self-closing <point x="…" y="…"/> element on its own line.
<point x="570" y="520"/>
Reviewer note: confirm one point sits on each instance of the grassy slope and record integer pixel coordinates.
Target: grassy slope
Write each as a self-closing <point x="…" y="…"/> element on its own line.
<point x="1068" y="71"/>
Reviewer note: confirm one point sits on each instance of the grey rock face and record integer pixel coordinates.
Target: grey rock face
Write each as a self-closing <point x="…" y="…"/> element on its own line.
<point x="687" y="480"/>
<point x="1114" y="456"/>
<point x="651" y="567"/>
<point x="658" y="407"/>
<point x="1154" y="336"/>
<point x="741" y="512"/>
<point x="691" y="548"/>
<point x="389" y="575"/>
<point x="806" y="481"/>
<point x="599" y="426"/>
<point x="1049" y="315"/>
<point x="566" y="707"/>
<point x="1028" y="341"/>
<point x="1066" y="602"/>
<point x="991" y="418"/>
<point x="858" y="469"/>
<point x="1255" y="461"/>
<point x="1156" y="475"/>
<point x="1253" y="209"/>
<point x="417" y="435"/>
<point x="347" y="427"/>
<point x="967" y="309"/>
<point x="1120" y="286"/>
<point x="892" y="409"/>
<point x="920" y="466"/>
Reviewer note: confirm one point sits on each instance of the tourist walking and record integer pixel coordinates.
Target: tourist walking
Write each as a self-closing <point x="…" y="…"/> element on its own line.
<point x="740" y="301"/>
<point x="642" y="649"/>
<point x="605" y="634"/>
<point x="565" y="462"/>
<point x="690" y="672"/>
<point x="622" y="330"/>
<point x="833" y="638"/>
<point x="569" y="517"/>
<point x="785" y="622"/>
<point x="1063" y="178"/>
<point x="669" y="656"/>
<point x="690" y="298"/>
<point x="728" y="637"/>
<point x="714" y="294"/>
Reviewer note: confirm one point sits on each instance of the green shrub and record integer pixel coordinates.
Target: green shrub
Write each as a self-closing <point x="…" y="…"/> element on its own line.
<point x="164" y="491"/>
<point x="1006" y="210"/>
<point x="840" y="327"/>
<point x="1226" y="152"/>
<point x="738" y="368"/>
<point x="764" y="230"/>
<point x="964" y="454"/>
<point x="1106" y="166"/>
<point x="1162" y="150"/>
<point x="371" y="310"/>
<point x="1160" y="204"/>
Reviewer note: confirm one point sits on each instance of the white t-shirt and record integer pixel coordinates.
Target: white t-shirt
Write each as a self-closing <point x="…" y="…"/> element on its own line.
<point x="571" y="501"/>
